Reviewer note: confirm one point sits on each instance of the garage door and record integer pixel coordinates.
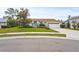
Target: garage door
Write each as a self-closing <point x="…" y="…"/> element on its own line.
<point x="54" y="25"/>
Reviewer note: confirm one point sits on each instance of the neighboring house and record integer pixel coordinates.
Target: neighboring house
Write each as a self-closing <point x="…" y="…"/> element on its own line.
<point x="73" y="19"/>
<point x="48" y="22"/>
<point x="2" y="22"/>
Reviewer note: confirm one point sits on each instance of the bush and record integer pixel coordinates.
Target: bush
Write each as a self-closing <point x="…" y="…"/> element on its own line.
<point x="74" y="26"/>
<point x="4" y="27"/>
<point x="62" y="25"/>
<point x="41" y="25"/>
<point x="11" y="23"/>
<point x="78" y="25"/>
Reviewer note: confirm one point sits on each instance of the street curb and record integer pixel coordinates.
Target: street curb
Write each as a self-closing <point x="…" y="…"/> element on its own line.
<point x="31" y="37"/>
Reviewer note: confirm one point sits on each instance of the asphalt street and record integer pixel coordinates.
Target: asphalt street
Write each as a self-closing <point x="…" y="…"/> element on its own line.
<point x="39" y="45"/>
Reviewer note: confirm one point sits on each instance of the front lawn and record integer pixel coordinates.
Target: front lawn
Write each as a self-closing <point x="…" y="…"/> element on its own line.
<point x="18" y="29"/>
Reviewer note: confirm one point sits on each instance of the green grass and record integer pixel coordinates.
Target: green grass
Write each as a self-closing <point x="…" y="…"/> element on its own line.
<point x="58" y="35"/>
<point x="18" y="29"/>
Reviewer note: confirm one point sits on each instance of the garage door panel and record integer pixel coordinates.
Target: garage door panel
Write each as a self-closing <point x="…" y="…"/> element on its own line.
<point x="54" y="25"/>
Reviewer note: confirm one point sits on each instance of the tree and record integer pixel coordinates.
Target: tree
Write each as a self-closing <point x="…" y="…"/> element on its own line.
<point x="69" y="16"/>
<point x="16" y="15"/>
<point x="11" y="23"/>
<point x="78" y="25"/>
<point x="10" y="13"/>
<point x="74" y="24"/>
<point x="68" y="24"/>
<point x="10" y="16"/>
<point x="22" y="16"/>
<point x="24" y="23"/>
<point x="23" y="13"/>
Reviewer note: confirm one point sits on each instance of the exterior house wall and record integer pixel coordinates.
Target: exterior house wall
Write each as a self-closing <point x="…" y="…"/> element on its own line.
<point x="47" y="22"/>
<point x="73" y="19"/>
<point x="38" y="23"/>
<point x="3" y="24"/>
<point x="54" y="25"/>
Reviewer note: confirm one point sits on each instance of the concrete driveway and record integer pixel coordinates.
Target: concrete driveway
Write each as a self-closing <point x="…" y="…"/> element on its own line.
<point x="71" y="34"/>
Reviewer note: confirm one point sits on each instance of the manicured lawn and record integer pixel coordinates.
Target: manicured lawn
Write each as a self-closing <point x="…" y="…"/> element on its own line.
<point x="18" y="29"/>
<point x="58" y="35"/>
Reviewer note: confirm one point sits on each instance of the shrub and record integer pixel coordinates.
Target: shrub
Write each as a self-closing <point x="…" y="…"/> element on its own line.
<point x="4" y="27"/>
<point x="41" y="25"/>
<point x="62" y="25"/>
<point x="74" y="26"/>
<point x="11" y="23"/>
<point x="78" y="25"/>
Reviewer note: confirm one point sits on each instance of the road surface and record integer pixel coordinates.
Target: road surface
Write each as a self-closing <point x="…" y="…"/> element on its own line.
<point x="39" y="45"/>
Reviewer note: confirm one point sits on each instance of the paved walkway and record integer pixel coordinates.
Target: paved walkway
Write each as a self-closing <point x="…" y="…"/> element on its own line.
<point x="71" y="34"/>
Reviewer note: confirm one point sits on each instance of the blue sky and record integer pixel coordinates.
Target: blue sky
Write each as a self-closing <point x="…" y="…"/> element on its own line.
<point x="49" y="12"/>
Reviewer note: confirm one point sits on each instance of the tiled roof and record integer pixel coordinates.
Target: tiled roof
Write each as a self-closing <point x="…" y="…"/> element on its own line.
<point x="46" y="20"/>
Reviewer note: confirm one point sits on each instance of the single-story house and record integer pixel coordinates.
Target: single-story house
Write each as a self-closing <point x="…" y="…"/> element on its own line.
<point x="48" y="22"/>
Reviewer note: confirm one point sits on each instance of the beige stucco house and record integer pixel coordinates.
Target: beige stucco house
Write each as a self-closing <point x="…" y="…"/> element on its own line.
<point x="48" y="22"/>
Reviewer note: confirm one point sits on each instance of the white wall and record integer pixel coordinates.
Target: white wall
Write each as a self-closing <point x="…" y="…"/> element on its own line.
<point x="54" y="25"/>
<point x="2" y="24"/>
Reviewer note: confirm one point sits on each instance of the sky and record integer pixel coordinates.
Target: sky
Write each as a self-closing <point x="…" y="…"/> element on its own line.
<point x="48" y="12"/>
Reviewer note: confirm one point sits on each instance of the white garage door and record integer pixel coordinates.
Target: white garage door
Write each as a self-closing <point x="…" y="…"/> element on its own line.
<point x="54" y="25"/>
